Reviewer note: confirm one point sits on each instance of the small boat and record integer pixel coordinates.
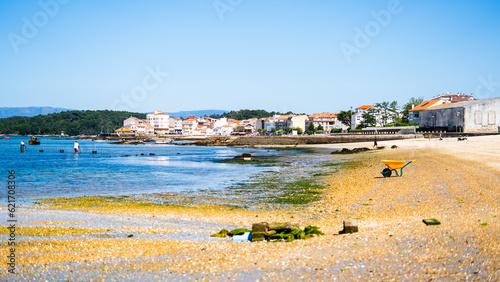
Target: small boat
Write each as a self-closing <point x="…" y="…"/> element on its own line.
<point x="4" y="137"/>
<point x="99" y="140"/>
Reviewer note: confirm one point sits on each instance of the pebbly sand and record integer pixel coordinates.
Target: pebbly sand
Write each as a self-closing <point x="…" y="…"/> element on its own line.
<point x="457" y="183"/>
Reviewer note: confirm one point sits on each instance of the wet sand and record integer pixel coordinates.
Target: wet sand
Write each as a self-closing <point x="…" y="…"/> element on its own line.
<point x="454" y="182"/>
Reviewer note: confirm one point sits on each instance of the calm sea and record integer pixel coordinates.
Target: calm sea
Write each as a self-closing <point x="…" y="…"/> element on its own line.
<point x="173" y="168"/>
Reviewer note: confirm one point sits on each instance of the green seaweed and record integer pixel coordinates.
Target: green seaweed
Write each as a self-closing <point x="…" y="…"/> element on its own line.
<point x="312" y="230"/>
<point x="237" y="231"/>
<point x="222" y="233"/>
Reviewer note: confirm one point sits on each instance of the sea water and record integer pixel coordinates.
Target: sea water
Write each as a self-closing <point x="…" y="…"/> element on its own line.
<point x="118" y="169"/>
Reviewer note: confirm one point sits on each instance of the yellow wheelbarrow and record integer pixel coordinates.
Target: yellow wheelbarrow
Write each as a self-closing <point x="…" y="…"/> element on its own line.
<point x="394" y="165"/>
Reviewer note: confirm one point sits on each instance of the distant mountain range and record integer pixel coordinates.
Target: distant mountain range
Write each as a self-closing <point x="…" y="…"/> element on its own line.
<point x="185" y="114"/>
<point x="6" y="112"/>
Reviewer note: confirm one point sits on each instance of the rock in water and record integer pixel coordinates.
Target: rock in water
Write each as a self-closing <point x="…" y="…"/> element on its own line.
<point x="33" y="141"/>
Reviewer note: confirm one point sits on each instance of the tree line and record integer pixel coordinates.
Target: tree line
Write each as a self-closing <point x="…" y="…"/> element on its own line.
<point x="71" y="122"/>
<point x="382" y="113"/>
<point x="247" y="114"/>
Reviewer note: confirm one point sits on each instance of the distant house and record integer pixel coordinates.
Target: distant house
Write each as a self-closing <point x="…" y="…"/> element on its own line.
<point x="247" y="126"/>
<point x="383" y="115"/>
<point x="455" y="98"/>
<point x="280" y="122"/>
<point x="297" y="121"/>
<point x="189" y="126"/>
<point x="357" y="116"/>
<point x="133" y="126"/>
<point x="328" y="121"/>
<point x="475" y="116"/>
<point x="123" y="132"/>
<point x="128" y="122"/>
<point x="175" y="125"/>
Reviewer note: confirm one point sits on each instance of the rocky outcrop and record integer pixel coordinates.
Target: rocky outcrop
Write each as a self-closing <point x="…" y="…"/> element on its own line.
<point x="33" y="141"/>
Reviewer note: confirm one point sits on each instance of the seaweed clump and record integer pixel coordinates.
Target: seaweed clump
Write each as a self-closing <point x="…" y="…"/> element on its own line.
<point x="225" y="233"/>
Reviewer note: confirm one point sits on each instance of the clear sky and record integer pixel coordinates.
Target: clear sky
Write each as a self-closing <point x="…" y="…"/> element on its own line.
<point x="303" y="56"/>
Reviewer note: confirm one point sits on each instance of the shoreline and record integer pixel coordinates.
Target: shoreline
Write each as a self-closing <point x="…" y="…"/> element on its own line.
<point x="455" y="182"/>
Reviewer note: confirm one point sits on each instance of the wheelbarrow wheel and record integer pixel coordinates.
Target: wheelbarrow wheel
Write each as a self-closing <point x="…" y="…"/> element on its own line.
<point x="386" y="172"/>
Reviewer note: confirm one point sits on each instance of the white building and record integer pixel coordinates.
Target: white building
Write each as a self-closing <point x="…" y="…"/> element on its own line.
<point x="176" y="123"/>
<point x="189" y="125"/>
<point x="328" y="121"/>
<point x="160" y="122"/>
<point x="382" y="115"/>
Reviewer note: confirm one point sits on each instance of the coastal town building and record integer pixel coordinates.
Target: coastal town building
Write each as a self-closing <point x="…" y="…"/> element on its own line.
<point x="455" y="98"/>
<point x="124" y="132"/>
<point x="189" y="126"/>
<point x="128" y="122"/>
<point x="382" y="115"/>
<point x="133" y="126"/>
<point x="444" y="99"/>
<point x="297" y="121"/>
<point x="414" y="113"/>
<point x="328" y="121"/>
<point x="160" y="122"/>
<point x="245" y="127"/>
<point x="281" y="122"/>
<point x="176" y="125"/>
<point x="357" y="117"/>
<point x="473" y="116"/>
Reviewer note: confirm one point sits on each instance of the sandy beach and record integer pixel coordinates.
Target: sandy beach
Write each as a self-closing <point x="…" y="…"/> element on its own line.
<point x="455" y="182"/>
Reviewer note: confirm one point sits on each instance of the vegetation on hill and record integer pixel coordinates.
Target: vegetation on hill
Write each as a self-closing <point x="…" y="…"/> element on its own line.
<point x="246" y="114"/>
<point x="71" y="122"/>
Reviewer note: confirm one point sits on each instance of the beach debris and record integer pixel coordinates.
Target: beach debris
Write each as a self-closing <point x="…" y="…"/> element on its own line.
<point x="234" y="232"/>
<point x="244" y="156"/>
<point x="242" y="238"/>
<point x="130" y="235"/>
<point x="276" y="232"/>
<point x="350" y="226"/>
<point x="351" y="151"/>
<point x="394" y="147"/>
<point x="431" y="221"/>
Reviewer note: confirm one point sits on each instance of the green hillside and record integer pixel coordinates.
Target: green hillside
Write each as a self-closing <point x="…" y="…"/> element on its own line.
<point x="71" y="122"/>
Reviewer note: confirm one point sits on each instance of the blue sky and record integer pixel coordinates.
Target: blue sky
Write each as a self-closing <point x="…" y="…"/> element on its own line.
<point x="301" y="56"/>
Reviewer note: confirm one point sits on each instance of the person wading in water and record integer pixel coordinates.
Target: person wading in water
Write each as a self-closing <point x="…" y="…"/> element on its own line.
<point x="77" y="147"/>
